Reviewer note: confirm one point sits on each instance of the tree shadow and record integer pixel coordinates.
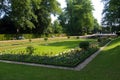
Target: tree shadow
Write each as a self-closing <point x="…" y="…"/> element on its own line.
<point x="67" y="44"/>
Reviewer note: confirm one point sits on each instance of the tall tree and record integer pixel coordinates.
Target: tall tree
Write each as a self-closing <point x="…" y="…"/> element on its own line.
<point x="97" y="27"/>
<point x="111" y="13"/>
<point x="30" y="14"/>
<point x="78" y="16"/>
<point x="47" y="7"/>
<point x="22" y="13"/>
<point x="57" y="28"/>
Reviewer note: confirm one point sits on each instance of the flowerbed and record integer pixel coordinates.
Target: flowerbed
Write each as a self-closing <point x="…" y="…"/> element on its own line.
<point x="69" y="59"/>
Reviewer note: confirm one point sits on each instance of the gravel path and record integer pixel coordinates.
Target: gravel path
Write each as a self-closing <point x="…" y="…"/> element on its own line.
<point x="77" y="68"/>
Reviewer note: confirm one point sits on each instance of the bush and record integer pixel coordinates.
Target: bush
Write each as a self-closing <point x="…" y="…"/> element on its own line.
<point x="99" y="40"/>
<point x="84" y="45"/>
<point x="77" y="37"/>
<point x="68" y="37"/>
<point x="16" y="36"/>
<point x="30" y="50"/>
<point x="103" y="41"/>
<point x="30" y="40"/>
<point x="45" y="38"/>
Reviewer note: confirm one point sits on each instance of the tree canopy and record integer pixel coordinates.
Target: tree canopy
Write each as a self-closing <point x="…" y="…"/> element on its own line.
<point x="111" y="13"/>
<point x="30" y="14"/>
<point x="34" y="16"/>
<point x="77" y="17"/>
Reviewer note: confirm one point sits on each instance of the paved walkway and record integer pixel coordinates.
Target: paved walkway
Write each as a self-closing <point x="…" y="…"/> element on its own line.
<point x="77" y="68"/>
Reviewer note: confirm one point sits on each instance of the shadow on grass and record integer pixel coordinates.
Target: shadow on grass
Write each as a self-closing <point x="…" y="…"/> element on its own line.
<point x="67" y="44"/>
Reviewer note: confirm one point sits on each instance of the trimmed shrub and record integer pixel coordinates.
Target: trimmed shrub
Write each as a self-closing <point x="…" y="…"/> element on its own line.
<point x="84" y="45"/>
<point x="45" y="38"/>
<point x="68" y="37"/>
<point x="30" y="50"/>
<point x="30" y="40"/>
<point x="99" y="40"/>
<point x="77" y="37"/>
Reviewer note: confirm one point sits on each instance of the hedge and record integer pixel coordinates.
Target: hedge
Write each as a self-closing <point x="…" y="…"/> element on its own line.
<point x="13" y="36"/>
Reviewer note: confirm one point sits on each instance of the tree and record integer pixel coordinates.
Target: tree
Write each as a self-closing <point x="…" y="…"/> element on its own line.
<point x="47" y="7"/>
<point x="77" y="18"/>
<point x="30" y="15"/>
<point x="97" y="27"/>
<point x="111" y="13"/>
<point x="22" y="13"/>
<point x="57" y="28"/>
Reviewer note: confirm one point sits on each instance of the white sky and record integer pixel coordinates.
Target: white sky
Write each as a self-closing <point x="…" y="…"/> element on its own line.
<point x="98" y="7"/>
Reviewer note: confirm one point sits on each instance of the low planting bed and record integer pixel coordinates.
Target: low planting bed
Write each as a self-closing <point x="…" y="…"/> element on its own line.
<point x="70" y="58"/>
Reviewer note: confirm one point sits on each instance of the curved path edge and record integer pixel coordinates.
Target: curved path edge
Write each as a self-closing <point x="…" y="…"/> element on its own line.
<point x="77" y="68"/>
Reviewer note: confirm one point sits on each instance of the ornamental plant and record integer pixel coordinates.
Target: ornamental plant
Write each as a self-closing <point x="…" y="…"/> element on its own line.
<point x="30" y="50"/>
<point x="84" y="45"/>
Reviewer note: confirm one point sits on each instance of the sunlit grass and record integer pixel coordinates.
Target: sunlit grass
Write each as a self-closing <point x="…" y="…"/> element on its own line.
<point x="42" y="47"/>
<point x="106" y="66"/>
<point x="114" y="44"/>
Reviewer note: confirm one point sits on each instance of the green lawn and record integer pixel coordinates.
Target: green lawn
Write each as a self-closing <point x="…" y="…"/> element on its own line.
<point x="50" y="47"/>
<point x="106" y="66"/>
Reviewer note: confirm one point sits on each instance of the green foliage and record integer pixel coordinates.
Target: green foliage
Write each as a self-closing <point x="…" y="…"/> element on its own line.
<point x="111" y="13"/>
<point x="46" y="38"/>
<point x="68" y="37"/>
<point x="77" y="18"/>
<point x="14" y="36"/>
<point x="33" y="15"/>
<point x="30" y="40"/>
<point x="104" y="64"/>
<point x="57" y="28"/>
<point x="1" y="36"/>
<point x="70" y="59"/>
<point x="77" y="37"/>
<point x="97" y="27"/>
<point x="103" y="40"/>
<point x="53" y="45"/>
<point x="23" y="15"/>
<point x="99" y="39"/>
<point x="30" y="50"/>
<point x="84" y="45"/>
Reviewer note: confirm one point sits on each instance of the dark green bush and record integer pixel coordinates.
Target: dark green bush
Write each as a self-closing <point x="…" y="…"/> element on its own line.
<point x="84" y="45"/>
<point x="68" y="37"/>
<point x="77" y="37"/>
<point x="99" y="40"/>
<point x="45" y="38"/>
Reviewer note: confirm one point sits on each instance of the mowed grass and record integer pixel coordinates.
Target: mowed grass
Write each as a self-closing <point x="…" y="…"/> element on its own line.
<point x="106" y="66"/>
<point x="50" y="47"/>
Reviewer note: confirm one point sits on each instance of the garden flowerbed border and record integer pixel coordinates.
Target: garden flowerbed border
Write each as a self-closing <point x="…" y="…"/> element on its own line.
<point x="77" y="68"/>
